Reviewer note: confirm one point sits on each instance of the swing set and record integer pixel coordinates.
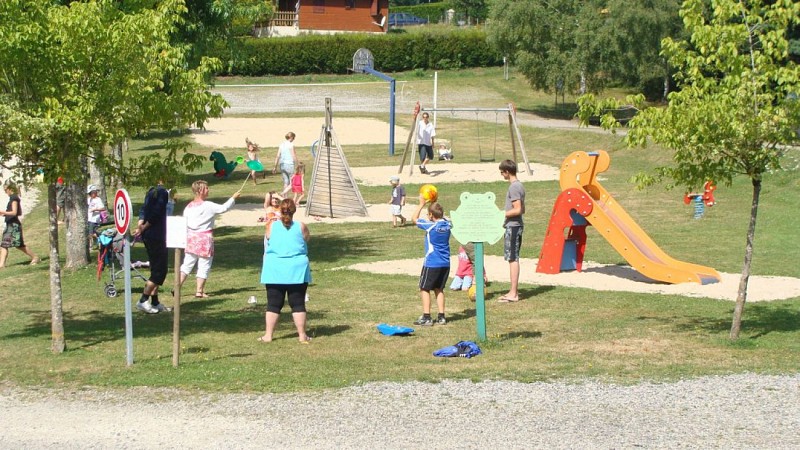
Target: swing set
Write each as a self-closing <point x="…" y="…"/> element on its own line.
<point x="485" y="153"/>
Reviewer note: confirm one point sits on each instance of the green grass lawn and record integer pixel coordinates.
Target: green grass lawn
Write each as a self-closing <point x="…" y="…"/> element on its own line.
<point x="555" y="333"/>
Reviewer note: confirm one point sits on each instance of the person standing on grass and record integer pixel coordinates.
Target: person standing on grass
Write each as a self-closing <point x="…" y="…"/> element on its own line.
<point x="285" y="271"/>
<point x="252" y="155"/>
<point x="298" y="183"/>
<point x="61" y="199"/>
<point x="94" y="207"/>
<point x="12" y="236"/>
<point x="425" y="136"/>
<point x="152" y="228"/>
<point x="436" y="268"/>
<point x="512" y="243"/>
<point x="286" y="160"/>
<point x="397" y="201"/>
<point x="200" y="214"/>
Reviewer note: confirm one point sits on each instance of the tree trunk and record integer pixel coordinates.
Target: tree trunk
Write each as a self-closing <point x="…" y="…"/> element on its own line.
<point x="583" y="83"/>
<point x="75" y="210"/>
<point x="666" y="87"/>
<point x="59" y="343"/>
<point x="97" y="178"/>
<point x="116" y="155"/>
<point x="741" y="297"/>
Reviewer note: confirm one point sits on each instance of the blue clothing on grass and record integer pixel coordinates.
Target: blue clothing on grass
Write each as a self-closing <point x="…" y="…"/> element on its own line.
<point x="437" y="242"/>
<point x="286" y="256"/>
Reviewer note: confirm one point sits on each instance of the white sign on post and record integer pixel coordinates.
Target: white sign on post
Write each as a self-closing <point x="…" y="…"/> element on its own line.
<point x="176" y="232"/>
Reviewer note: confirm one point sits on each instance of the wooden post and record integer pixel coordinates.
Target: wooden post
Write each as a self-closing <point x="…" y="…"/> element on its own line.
<point x="408" y="142"/>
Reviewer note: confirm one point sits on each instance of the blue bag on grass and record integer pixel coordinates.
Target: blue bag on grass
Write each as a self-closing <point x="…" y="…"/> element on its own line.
<point x="394" y="330"/>
<point x="464" y="349"/>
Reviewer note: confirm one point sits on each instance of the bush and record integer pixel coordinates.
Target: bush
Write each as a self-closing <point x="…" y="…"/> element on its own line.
<point x="393" y="52"/>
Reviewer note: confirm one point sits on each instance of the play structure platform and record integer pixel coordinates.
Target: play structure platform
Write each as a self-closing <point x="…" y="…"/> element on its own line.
<point x="583" y="201"/>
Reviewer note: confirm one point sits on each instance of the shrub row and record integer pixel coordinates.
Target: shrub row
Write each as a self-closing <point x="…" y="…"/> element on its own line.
<point x="393" y="52"/>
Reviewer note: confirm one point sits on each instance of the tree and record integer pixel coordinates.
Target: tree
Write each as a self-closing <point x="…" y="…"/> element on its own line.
<point x="582" y="45"/>
<point x="78" y="77"/>
<point x="734" y="111"/>
<point x="637" y="29"/>
<point x="472" y="9"/>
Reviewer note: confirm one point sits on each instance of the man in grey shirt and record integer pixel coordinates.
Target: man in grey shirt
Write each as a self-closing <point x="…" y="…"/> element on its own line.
<point x="514" y="210"/>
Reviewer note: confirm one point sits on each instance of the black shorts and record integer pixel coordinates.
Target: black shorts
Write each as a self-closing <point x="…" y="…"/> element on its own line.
<point x="512" y="243"/>
<point x="157" y="254"/>
<point x="433" y="278"/>
<point x="425" y="152"/>
<point x="278" y="293"/>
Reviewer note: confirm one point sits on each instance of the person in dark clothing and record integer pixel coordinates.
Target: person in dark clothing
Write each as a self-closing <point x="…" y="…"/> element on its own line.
<point x="152" y="227"/>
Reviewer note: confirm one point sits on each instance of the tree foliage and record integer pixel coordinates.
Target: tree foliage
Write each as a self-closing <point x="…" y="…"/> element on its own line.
<point x="79" y="76"/>
<point x="583" y="45"/>
<point x="735" y="109"/>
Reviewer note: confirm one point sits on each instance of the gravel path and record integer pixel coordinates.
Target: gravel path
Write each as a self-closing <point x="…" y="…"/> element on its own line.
<point x="738" y="411"/>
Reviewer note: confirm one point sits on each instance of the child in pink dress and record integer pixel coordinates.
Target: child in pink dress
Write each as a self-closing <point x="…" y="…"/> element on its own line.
<point x="465" y="274"/>
<point x="298" y="186"/>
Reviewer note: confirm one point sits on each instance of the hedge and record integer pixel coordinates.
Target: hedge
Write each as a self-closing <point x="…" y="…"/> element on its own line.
<point x="393" y="52"/>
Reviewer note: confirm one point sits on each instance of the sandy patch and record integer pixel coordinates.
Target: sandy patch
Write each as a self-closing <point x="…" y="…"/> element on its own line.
<point x="245" y="215"/>
<point x="231" y="132"/>
<point x="604" y="277"/>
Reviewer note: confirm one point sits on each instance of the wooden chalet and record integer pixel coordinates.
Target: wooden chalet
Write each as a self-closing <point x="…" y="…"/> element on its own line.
<point x="293" y="17"/>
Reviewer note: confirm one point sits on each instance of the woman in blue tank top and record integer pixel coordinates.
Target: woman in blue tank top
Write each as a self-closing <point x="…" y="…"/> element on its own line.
<point x="285" y="271"/>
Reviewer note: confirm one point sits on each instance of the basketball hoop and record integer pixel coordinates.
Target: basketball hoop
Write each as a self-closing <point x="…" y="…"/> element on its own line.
<point x="363" y="59"/>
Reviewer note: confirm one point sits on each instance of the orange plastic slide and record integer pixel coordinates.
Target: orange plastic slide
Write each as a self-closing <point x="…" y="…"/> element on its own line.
<point x="579" y="170"/>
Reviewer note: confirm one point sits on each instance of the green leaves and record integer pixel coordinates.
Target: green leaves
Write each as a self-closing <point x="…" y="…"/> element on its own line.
<point x="93" y="73"/>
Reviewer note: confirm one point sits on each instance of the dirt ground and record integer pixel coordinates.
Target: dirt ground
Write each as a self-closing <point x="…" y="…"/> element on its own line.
<point x="232" y="132"/>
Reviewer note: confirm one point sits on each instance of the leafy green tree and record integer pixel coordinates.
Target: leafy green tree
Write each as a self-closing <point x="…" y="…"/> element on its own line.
<point x="79" y="77"/>
<point x="636" y="30"/>
<point x="583" y="45"/>
<point x="474" y="10"/>
<point x="735" y="110"/>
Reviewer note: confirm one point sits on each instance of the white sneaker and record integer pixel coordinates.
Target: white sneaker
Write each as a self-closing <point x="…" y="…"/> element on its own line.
<point x="146" y="307"/>
<point x="161" y="308"/>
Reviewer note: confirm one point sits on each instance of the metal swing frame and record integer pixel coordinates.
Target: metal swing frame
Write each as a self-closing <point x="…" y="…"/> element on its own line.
<point x="513" y="127"/>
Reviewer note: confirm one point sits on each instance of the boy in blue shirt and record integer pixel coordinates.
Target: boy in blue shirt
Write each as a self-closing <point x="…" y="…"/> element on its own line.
<point x="436" y="268"/>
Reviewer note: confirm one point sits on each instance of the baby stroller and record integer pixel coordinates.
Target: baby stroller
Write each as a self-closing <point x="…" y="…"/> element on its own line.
<point x="112" y="245"/>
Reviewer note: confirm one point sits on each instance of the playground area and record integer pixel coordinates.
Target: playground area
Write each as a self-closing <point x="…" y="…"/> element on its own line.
<point x="354" y="131"/>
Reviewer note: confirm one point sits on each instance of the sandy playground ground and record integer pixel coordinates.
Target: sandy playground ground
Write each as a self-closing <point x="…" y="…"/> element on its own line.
<point x="231" y="132"/>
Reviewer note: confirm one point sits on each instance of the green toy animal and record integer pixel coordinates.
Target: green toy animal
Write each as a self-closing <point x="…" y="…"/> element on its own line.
<point x="222" y="167"/>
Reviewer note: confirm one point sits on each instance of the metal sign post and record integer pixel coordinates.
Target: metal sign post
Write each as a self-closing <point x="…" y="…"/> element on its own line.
<point x="122" y="221"/>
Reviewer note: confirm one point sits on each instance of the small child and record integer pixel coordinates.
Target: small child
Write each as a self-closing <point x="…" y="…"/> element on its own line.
<point x="272" y="209"/>
<point x="252" y="155"/>
<point x="397" y="200"/>
<point x="436" y="267"/>
<point x="298" y="185"/>
<point x="465" y="274"/>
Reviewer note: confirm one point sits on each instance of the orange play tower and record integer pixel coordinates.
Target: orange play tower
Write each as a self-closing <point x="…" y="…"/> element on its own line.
<point x="583" y="201"/>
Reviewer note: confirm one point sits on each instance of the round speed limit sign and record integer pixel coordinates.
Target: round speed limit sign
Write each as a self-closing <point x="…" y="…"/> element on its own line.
<point x="122" y="211"/>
